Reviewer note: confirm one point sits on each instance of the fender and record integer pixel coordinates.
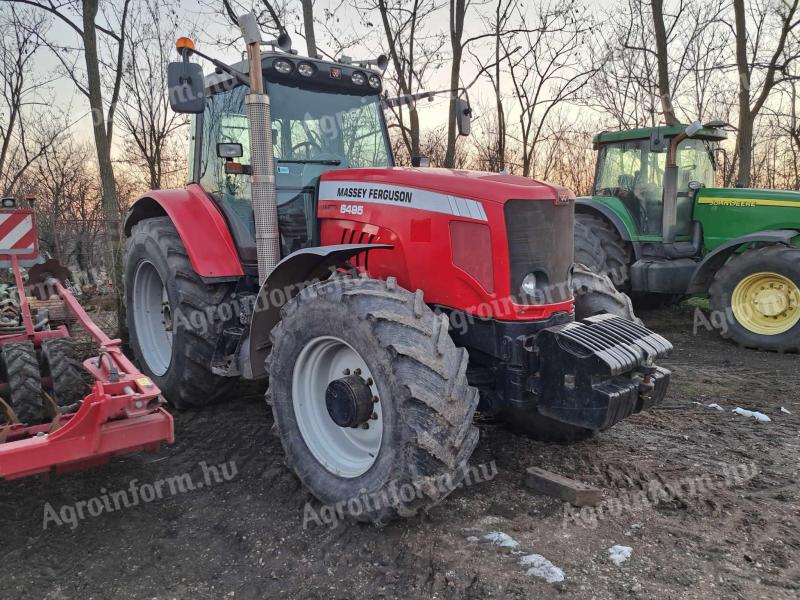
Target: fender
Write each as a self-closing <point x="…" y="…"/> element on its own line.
<point x="200" y="224"/>
<point x="295" y="272"/>
<point x="586" y="205"/>
<point x="704" y="273"/>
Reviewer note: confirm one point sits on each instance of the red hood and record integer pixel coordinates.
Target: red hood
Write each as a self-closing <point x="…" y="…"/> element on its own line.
<point x="478" y="185"/>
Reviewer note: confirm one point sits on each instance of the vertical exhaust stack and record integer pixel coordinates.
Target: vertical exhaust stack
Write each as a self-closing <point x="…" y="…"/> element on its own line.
<point x="262" y="181"/>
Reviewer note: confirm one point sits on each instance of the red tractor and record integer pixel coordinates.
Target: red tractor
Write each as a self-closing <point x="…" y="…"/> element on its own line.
<point x="383" y="304"/>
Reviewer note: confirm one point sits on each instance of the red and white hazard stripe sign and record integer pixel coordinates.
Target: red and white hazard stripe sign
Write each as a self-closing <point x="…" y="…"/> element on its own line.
<point x="18" y="233"/>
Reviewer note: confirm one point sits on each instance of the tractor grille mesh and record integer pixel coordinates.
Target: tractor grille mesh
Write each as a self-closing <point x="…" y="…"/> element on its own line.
<point x="540" y="241"/>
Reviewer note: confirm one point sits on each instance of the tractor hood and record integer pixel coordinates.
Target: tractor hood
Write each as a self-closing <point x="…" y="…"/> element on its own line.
<point x="749" y="197"/>
<point x="478" y="185"/>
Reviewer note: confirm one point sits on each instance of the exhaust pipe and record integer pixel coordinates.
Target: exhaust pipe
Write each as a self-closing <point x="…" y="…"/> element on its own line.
<point x="262" y="180"/>
<point x="669" y="215"/>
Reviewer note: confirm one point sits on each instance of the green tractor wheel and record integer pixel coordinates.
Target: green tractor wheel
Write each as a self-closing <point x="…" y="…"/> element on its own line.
<point x="759" y="294"/>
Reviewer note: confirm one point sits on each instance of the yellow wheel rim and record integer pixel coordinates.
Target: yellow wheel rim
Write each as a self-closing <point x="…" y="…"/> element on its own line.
<point x="766" y="303"/>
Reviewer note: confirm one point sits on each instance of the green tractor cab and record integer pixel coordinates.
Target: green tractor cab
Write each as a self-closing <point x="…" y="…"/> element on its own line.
<point x="657" y="226"/>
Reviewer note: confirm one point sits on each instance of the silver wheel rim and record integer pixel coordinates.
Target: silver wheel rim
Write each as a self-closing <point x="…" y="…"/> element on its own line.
<point x="152" y="317"/>
<point x="344" y="451"/>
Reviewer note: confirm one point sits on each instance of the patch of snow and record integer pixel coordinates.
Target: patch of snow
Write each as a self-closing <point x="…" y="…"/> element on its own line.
<point x="539" y="566"/>
<point x="715" y="405"/>
<point x="783" y="410"/>
<point x="498" y="538"/>
<point x="758" y="416"/>
<point x="619" y="554"/>
<point x="472" y="538"/>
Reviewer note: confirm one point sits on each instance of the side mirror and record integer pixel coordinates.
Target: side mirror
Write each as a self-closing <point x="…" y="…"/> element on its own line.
<point x="229" y="150"/>
<point x="694" y="128"/>
<point x="463" y="116"/>
<point x="186" y="87"/>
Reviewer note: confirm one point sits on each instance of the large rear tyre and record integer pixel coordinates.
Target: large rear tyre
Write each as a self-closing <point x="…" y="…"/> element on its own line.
<point x="370" y="398"/>
<point x="173" y="316"/>
<point x="758" y="293"/>
<point x="20" y="369"/>
<point x="601" y="249"/>
<point x="62" y="363"/>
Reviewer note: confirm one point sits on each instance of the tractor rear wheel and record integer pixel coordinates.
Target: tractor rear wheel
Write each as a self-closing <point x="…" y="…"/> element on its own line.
<point x="599" y="247"/>
<point x="62" y="363"/>
<point x="173" y="316"/>
<point x="20" y="369"/>
<point x="758" y="293"/>
<point x="370" y="398"/>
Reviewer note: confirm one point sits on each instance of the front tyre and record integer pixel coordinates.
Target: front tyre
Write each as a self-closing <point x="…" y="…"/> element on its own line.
<point x="173" y="315"/>
<point x="370" y="398"/>
<point x="758" y="293"/>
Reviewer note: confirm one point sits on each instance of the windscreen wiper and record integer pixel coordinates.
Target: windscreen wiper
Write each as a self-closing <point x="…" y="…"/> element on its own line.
<point x="311" y="161"/>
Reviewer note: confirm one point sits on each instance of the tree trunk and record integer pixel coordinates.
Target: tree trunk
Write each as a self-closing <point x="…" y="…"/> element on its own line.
<point x="113" y="257"/>
<point x="744" y="140"/>
<point x="308" y="26"/>
<point x="458" y="9"/>
<point x="662" y="54"/>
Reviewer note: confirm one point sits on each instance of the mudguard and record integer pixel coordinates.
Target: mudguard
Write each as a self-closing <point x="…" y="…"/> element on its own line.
<point x="701" y="279"/>
<point x="295" y="272"/>
<point x="200" y="224"/>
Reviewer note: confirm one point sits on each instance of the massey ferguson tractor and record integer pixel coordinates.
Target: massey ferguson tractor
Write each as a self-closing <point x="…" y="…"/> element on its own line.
<point x="658" y="225"/>
<point x="382" y="303"/>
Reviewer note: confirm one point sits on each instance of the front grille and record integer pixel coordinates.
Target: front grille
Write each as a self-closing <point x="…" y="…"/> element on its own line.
<point x="540" y="241"/>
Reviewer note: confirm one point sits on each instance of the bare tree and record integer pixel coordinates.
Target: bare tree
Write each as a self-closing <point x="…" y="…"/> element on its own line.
<point x="414" y="55"/>
<point x="761" y="69"/>
<point x="26" y="131"/>
<point x="548" y="72"/>
<point x="101" y="27"/>
<point x="144" y="113"/>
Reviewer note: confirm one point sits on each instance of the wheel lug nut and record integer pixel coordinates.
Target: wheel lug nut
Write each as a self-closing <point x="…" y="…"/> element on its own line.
<point x="346" y="372"/>
<point x="375" y="399"/>
<point x="369" y="381"/>
<point x="374" y="416"/>
<point x="365" y="426"/>
<point x="357" y="372"/>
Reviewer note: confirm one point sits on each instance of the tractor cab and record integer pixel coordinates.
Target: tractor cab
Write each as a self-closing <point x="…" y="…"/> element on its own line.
<point x="631" y="172"/>
<point x="325" y="116"/>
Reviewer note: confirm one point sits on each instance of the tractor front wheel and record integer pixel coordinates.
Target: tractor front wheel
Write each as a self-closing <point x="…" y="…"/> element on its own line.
<point x="758" y="293"/>
<point x="173" y="316"/>
<point x="370" y="398"/>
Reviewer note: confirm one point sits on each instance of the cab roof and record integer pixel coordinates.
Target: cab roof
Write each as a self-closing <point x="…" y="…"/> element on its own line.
<point x="644" y="133"/>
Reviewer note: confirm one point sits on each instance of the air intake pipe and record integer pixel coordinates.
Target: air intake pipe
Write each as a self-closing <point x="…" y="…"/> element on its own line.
<point x="262" y="180"/>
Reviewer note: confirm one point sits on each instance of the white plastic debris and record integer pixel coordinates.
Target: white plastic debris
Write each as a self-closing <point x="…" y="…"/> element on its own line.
<point x="783" y="410"/>
<point x="619" y="554"/>
<point x="758" y="416"/>
<point x="715" y="405"/>
<point x="539" y="566"/>
<point x="498" y="538"/>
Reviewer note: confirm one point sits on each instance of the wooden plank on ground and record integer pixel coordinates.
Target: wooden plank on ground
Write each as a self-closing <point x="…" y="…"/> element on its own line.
<point x="564" y="488"/>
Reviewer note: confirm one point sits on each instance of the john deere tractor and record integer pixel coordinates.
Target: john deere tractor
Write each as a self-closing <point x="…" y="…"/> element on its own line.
<point x="659" y="227"/>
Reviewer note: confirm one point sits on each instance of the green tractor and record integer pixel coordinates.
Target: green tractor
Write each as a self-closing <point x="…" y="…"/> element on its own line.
<point x="659" y="228"/>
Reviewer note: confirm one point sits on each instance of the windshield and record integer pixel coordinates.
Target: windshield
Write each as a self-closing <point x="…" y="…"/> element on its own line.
<point x="631" y="172"/>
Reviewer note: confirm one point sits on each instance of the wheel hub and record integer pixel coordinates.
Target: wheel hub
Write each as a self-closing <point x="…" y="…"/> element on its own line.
<point x="349" y="401"/>
<point x="766" y="303"/>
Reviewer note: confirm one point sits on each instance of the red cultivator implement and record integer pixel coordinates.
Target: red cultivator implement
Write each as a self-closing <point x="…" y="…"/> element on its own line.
<point x="58" y="412"/>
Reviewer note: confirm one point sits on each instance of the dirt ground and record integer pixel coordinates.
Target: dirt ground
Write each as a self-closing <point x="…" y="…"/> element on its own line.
<point x="706" y="499"/>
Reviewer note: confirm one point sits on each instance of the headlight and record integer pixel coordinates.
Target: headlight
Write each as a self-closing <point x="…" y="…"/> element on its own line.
<point x="374" y="81"/>
<point x="305" y="69"/>
<point x="528" y="286"/>
<point x="282" y="66"/>
<point x="358" y="78"/>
